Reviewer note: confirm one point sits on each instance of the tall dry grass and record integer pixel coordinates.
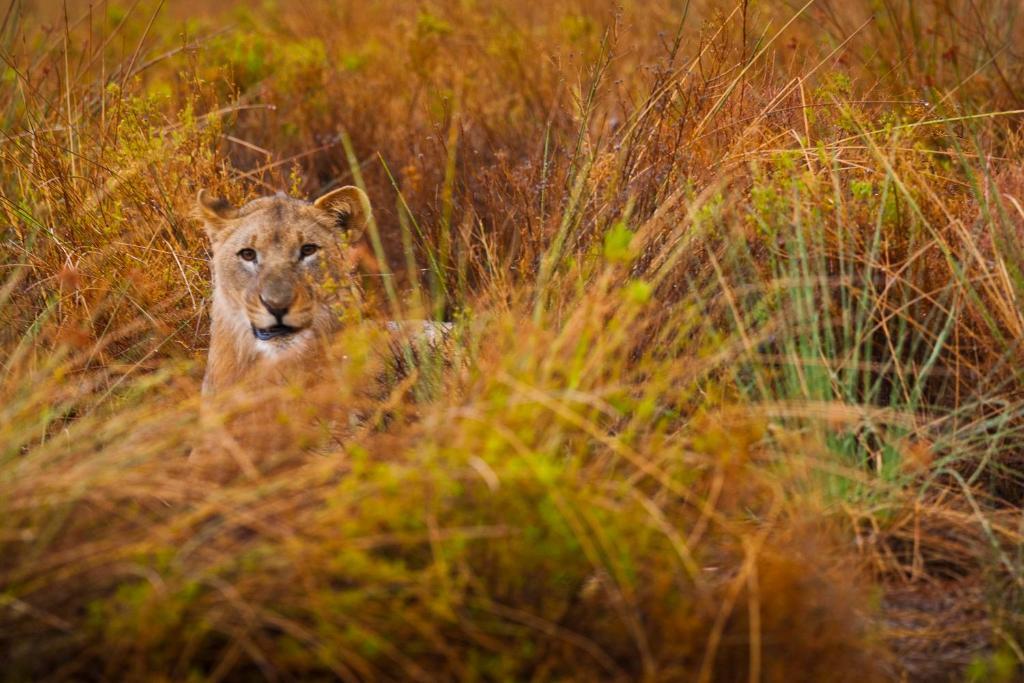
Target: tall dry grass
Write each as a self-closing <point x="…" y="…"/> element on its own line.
<point x="734" y="387"/>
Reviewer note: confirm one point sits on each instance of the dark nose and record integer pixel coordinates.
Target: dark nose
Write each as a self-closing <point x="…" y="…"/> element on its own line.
<point x="276" y="308"/>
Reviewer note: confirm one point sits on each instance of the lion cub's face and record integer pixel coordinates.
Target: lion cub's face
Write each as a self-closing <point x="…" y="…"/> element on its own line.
<point x="280" y="263"/>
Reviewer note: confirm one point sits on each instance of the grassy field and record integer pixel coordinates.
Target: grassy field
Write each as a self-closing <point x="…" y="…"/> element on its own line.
<point x="735" y="391"/>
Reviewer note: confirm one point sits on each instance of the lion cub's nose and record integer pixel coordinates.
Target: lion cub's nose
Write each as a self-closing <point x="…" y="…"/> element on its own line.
<point x="277" y="307"/>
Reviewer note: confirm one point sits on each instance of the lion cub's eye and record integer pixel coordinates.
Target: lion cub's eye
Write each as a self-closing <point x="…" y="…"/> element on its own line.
<point x="309" y="250"/>
<point x="247" y="254"/>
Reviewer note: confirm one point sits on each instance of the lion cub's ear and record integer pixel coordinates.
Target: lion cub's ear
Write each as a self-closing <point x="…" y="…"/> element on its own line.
<point x="351" y="209"/>
<point x="213" y="211"/>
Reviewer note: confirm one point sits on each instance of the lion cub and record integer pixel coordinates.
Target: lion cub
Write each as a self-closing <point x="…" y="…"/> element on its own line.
<point x="282" y="278"/>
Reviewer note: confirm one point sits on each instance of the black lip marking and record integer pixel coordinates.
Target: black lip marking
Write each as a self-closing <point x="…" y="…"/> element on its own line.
<point x="274" y="331"/>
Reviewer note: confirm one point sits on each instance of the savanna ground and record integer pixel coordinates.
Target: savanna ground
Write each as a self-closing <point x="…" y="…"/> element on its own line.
<point x="735" y="391"/>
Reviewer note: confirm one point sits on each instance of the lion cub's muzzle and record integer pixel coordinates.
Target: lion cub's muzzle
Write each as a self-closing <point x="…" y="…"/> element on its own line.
<point x="280" y="312"/>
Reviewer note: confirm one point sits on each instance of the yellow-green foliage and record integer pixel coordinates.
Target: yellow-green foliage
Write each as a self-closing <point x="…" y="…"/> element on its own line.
<point x="733" y="391"/>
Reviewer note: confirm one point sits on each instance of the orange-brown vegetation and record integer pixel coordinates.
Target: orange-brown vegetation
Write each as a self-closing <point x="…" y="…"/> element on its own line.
<point x="733" y="390"/>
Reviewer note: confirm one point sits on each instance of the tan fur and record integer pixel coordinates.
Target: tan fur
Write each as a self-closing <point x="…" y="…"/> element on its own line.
<point x="312" y="291"/>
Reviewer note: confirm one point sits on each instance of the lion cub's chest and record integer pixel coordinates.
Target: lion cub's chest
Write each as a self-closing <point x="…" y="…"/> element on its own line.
<point x="265" y="413"/>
